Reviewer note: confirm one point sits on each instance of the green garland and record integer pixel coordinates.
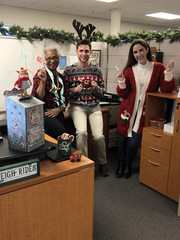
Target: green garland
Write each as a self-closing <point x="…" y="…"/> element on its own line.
<point x="61" y="36"/>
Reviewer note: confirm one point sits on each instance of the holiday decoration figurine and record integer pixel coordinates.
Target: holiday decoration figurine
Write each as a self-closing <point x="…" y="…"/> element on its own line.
<point x="125" y="117"/>
<point x="76" y="156"/>
<point x="86" y="83"/>
<point x="23" y="83"/>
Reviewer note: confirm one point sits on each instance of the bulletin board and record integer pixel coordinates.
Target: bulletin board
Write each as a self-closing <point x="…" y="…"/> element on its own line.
<point x="95" y="57"/>
<point x="14" y="54"/>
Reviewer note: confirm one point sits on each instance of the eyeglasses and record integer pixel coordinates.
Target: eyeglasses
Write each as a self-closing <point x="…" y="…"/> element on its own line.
<point x="53" y="58"/>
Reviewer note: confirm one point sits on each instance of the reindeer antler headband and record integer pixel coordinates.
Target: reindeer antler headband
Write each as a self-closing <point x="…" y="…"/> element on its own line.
<point x="80" y="28"/>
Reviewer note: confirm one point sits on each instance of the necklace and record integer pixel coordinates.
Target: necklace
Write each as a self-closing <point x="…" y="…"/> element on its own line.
<point x="55" y="89"/>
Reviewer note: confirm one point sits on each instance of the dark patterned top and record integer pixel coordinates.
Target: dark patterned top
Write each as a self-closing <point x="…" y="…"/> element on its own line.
<point x="74" y="75"/>
<point x="49" y="98"/>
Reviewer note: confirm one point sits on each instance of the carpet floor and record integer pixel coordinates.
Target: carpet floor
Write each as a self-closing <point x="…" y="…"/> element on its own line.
<point x="125" y="209"/>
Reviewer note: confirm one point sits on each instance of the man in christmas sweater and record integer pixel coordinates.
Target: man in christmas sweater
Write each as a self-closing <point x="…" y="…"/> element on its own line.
<point x="85" y="86"/>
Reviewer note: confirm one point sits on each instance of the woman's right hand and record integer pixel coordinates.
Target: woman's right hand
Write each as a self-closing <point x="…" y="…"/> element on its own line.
<point x="120" y="76"/>
<point x="42" y="75"/>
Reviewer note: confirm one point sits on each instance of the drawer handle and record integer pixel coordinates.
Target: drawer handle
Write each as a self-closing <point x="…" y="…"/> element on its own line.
<point x="177" y="125"/>
<point x="156" y="135"/>
<point x="154" y="149"/>
<point x="155" y="164"/>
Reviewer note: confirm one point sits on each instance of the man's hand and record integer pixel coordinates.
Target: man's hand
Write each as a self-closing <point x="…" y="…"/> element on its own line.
<point x="79" y="88"/>
<point x="94" y="84"/>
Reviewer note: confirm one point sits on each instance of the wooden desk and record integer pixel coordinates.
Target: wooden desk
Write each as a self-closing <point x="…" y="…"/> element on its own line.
<point x="179" y="208"/>
<point x="57" y="205"/>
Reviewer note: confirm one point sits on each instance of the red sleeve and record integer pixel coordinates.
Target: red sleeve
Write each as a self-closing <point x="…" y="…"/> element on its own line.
<point x="36" y="82"/>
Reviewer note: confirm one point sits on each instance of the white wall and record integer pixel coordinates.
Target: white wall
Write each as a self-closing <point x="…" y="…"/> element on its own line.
<point x="111" y="56"/>
<point x="29" y="18"/>
<point x="117" y="56"/>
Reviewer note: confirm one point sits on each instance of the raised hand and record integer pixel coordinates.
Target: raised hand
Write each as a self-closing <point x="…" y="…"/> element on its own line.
<point x="42" y="74"/>
<point x="120" y="76"/>
<point x="170" y="66"/>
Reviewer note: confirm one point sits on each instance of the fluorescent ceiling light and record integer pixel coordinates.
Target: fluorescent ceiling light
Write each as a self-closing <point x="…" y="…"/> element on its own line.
<point x="108" y="1"/>
<point x="164" y="15"/>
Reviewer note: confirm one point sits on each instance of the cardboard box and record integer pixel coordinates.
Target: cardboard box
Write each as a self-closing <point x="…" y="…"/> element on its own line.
<point x="153" y="49"/>
<point x="113" y="112"/>
<point x="25" y="123"/>
<point x="169" y="127"/>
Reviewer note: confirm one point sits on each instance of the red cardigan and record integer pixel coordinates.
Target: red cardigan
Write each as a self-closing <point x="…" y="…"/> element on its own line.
<point x="128" y="95"/>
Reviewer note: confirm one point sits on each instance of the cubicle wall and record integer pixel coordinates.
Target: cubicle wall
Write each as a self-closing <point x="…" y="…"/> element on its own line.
<point x="17" y="53"/>
<point x="117" y="56"/>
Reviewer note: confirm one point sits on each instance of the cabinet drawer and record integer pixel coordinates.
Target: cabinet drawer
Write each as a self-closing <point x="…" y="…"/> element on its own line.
<point x="154" y="174"/>
<point x="155" y="152"/>
<point x="157" y="137"/>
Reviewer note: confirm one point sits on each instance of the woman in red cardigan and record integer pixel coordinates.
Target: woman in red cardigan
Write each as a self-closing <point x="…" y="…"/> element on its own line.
<point x="140" y="76"/>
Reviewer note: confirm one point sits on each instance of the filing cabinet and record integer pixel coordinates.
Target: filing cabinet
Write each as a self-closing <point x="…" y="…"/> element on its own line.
<point x="160" y="150"/>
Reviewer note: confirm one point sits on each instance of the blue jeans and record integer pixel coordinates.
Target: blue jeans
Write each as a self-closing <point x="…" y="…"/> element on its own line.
<point x="128" y="146"/>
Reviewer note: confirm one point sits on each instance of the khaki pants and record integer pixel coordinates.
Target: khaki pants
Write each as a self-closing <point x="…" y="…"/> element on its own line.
<point x="80" y="117"/>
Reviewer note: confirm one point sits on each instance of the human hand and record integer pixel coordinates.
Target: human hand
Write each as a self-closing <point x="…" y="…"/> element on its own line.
<point x="42" y="74"/>
<point x="170" y="66"/>
<point x="94" y="84"/>
<point x="79" y="88"/>
<point x="120" y="76"/>
<point x="52" y="112"/>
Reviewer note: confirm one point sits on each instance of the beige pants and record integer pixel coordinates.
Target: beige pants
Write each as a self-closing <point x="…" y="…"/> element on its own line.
<point x="80" y="117"/>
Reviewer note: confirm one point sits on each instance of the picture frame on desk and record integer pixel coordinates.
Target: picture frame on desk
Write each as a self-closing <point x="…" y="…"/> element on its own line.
<point x="95" y="57"/>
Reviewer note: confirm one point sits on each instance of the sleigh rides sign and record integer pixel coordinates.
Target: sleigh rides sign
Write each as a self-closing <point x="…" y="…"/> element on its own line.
<point x="19" y="171"/>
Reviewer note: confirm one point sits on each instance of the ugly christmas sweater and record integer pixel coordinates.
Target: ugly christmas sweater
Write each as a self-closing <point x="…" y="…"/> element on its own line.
<point x="75" y="75"/>
<point x="131" y="116"/>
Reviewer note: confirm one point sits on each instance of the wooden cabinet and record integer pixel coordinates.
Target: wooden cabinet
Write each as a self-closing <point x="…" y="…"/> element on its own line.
<point x="160" y="150"/>
<point x="155" y="159"/>
<point x="174" y="172"/>
<point x="57" y="205"/>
